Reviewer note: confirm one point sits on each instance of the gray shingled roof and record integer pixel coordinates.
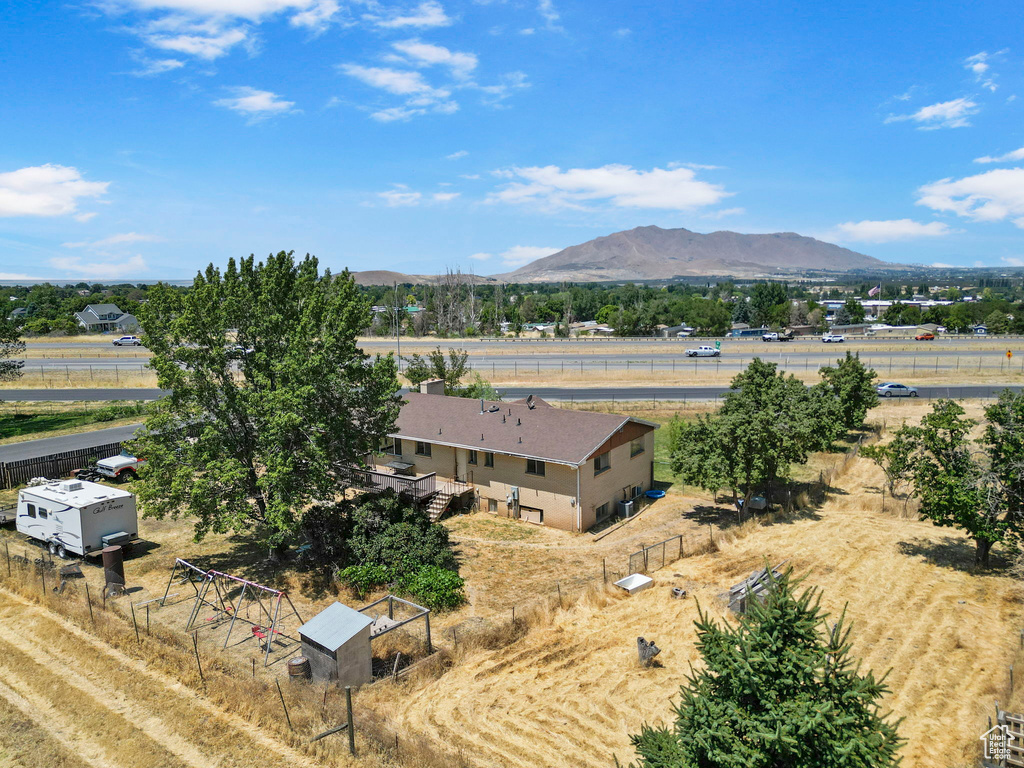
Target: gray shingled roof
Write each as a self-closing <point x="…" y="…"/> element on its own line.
<point x="103" y="309"/>
<point x="557" y="435"/>
<point x="334" y="626"/>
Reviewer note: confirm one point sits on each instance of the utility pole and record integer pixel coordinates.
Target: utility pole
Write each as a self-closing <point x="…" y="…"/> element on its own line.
<point x="398" y="328"/>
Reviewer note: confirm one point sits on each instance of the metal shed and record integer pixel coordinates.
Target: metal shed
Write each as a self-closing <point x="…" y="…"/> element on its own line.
<point x="337" y="643"/>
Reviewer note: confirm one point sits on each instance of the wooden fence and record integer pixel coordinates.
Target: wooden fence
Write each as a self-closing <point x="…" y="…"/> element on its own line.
<point x="15" y="473"/>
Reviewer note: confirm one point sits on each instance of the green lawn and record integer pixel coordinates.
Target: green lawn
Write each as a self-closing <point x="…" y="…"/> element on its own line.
<point x="43" y="422"/>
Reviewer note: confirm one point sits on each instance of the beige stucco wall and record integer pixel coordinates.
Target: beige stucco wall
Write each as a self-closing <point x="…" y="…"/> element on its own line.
<point x="555" y="492"/>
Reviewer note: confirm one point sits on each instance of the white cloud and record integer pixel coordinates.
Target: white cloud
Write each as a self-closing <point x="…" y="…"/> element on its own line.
<point x="669" y="189"/>
<point x="421" y="96"/>
<point x="946" y="114"/>
<point x="399" y="196"/>
<point x="445" y="197"/>
<point x="518" y="255"/>
<point x="399" y="82"/>
<point x="510" y="82"/>
<point x="942" y="265"/>
<point x="428" y="14"/>
<point x="1014" y="261"/>
<point x="1009" y="157"/>
<point x="551" y="17"/>
<point x="158" y="67"/>
<point x="456" y="155"/>
<point x="623" y="32"/>
<point x="979" y="66"/>
<point x="470" y="176"/>
<point x="100" y="270"/>
<point x="995" y="195"/>
<point x="209" y="29"/>
<point x="46" y="190"/>
<point x="721" y="214"/>
<point x="255" y="104"/>
<point x="15" y="276"/>
<point x="205" y="39"/>
<point x="427" y="54"/>
<point x="118" y="239"/>
<point x="480" y="256"/>
<point x="890" y="231"/>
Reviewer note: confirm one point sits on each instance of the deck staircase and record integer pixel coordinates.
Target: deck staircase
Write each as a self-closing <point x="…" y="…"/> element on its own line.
<point x="440" y="501"/>
<point x="439" y="504"/>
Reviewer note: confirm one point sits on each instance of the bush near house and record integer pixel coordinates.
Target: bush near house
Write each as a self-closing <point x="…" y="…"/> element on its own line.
<point x="378" y="539"/>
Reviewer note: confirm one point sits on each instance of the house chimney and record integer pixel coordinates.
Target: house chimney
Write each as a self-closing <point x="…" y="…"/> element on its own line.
<point x="432" y="387"/>
<point x="481" y="405"/>
<point x="519" y="422"/>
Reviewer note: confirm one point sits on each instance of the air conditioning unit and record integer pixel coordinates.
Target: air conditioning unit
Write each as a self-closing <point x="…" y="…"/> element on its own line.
<point x="626" y="508"/>
<point x="71" y="485"/>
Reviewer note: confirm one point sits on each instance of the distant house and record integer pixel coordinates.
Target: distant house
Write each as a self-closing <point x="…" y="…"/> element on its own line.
<point x="98" y="318"/>
<point x="980" y="330"/>
<point x="671" y="331"/>
<point x="18" y="314"/>
<point x="526" y="459"/>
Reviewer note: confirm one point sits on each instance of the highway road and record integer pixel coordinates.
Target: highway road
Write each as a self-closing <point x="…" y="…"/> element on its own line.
<point x="31" y="449"/>
<point x="49" y="445"/>
<point x="580" y="394"/>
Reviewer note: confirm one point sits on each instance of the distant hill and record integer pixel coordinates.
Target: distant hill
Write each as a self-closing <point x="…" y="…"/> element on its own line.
<point x="652" y="253"/>
<point x="387" y="277"/>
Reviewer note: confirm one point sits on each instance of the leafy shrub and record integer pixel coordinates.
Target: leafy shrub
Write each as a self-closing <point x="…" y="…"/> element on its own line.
<point x="436" y="588"/>
<point x="365" y="578"/>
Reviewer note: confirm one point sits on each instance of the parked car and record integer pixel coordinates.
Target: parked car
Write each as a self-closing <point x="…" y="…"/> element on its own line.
<point x="122" y="468"/>
<point x="895" y="390"/>
<point x="703" y="351"/>
<point x="127" y="341"/>
<point x="832" y="338"/>
<point x="925" y="337"/>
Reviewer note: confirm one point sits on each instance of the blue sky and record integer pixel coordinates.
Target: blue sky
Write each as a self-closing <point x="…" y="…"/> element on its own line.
<point x="142" y="139"/>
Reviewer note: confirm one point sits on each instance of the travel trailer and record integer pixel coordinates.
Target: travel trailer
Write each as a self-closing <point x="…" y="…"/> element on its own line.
<point x="77" y="517"/>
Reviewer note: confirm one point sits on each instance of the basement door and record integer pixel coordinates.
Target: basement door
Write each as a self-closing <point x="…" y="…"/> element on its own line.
<point x="461" y="464"/>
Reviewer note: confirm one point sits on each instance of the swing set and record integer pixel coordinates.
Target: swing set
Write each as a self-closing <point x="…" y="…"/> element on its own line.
<point x="232" y="599"/>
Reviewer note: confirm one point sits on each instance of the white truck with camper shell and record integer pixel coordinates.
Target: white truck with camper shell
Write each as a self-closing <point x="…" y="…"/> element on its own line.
<point x="77" y="517"/>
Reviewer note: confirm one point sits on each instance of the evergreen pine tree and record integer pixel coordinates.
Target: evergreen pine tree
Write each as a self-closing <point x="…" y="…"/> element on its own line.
<point x="777" y="690"/>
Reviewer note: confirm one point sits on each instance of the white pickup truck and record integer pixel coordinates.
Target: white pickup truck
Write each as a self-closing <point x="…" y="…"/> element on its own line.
<point x="703" y="351"/>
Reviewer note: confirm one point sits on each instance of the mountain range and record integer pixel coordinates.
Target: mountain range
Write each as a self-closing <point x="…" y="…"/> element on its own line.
<point x="653" y="253"/>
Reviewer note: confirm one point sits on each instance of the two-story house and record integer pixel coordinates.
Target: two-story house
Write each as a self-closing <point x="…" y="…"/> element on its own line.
<point x="526" y="459"/>
<point x="97" y="318"/>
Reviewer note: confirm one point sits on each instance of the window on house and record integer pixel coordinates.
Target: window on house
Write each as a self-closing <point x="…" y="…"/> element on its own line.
<point x="492" y="505"/>
<point x="534" y="467"/>
<point x="636" y="447"/>
<point x="472" y="457"/>
<point x="602" y="511"/>
<point x="30" y="509"/>
<point x="488" y="459"/>
<point x="602" y="462"/>
<point x="393" y="446"/>
<point x="422" y="449"/>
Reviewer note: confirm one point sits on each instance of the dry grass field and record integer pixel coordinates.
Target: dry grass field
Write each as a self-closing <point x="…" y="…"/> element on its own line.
<point x="560" y="687"/>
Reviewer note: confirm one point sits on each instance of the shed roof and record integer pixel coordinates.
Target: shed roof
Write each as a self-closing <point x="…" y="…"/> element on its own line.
<point x="334" y="626"/>
<point x="544" y="432"/>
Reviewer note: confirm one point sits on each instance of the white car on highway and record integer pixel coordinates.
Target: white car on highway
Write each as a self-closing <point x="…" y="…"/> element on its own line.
<point x="895" y="390"/>
<point x="832" y="338"/>
<point x="127" y="341"/>
<point x="703" y="351"/>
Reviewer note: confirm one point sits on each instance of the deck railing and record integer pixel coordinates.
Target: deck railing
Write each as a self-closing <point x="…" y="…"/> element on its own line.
<point x="417" y="488"/>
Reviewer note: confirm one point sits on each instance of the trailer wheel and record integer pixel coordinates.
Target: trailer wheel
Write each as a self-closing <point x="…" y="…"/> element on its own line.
<point x="61" y="552"/>
<point x="52" y="546"/>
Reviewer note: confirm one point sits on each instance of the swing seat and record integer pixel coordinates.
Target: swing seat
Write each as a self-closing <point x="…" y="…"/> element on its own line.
<point x="215" y="617"/>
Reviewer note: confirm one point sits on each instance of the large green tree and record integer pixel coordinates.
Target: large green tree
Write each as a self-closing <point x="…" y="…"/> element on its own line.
<point x="975" y="486"/>
<point x="273" y="404"/>
<point x="768" y="422"/>
<point x="11" y="346"/>
<point x="852" y="384"/>
<point x="779" y="689"/>
<point x="434" y="365"/>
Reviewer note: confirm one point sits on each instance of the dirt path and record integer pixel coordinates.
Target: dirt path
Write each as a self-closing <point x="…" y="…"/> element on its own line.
<point x="114" y="711"/>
